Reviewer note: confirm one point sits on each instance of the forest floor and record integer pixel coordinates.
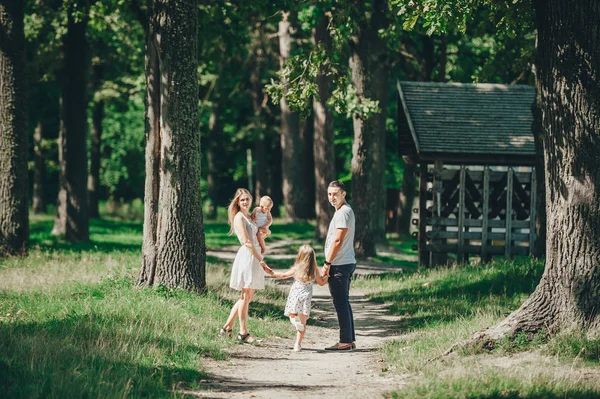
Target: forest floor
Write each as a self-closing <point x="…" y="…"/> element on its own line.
<point x="271" y="369"/>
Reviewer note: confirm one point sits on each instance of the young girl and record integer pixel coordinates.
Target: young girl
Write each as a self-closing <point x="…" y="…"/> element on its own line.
<point x="304" y="271"/>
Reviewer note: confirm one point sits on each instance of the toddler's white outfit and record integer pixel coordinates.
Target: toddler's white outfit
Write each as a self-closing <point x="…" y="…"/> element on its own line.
<point x="261" y="219"/>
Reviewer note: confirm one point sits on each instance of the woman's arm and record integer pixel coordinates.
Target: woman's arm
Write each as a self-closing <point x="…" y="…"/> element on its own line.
<point x="241" y="227"/>
<point x="287" y="274"/>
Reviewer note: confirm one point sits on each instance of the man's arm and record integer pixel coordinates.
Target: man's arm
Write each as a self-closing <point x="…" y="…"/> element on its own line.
<point x="336" y="245"/>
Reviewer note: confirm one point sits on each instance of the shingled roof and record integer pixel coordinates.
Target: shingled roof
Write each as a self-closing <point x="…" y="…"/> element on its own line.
<point x="466" y="123"/>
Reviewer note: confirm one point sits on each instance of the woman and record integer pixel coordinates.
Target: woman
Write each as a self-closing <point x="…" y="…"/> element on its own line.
<point x="247" y="270"/>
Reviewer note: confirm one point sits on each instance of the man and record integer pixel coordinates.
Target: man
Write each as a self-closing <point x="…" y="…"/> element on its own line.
<point x="340" y="263"/>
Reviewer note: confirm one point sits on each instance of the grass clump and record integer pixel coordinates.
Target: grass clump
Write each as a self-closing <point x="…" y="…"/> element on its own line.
<point x="575" y="345"/>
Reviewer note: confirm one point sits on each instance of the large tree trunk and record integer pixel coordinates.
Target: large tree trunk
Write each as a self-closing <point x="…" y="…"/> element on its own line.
<point x="14" y="217"/>
<point x="540" y="206"/>
<point x="95" y="147"/>
<point x="174" y="252"/>
<point x="260" y="140"/>
<point x="369" y="77"/>
<point x="567" y="66"/>
<point x="39" y="171"/>
<point x="323" y="142"/>
<point x="291" y="154"/>
<point x="72" y="210"/>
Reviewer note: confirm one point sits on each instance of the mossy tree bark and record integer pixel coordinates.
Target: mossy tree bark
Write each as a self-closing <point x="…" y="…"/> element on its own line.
<point x="567" y="76"/>
<point x="14" y="217"/>
<point x="370" y="79"/>
<point x="174" y="252"/>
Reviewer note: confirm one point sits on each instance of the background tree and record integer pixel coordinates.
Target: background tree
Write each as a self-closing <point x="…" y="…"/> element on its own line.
<point x="174" y="252"/>
<point x="323" y="143"/>
<point x="14" y="217"/>
<point x="369" y="65"/>
<point x="291" y="147"/>
<point x="72" y="210"/>
<point x="567" y="64"/>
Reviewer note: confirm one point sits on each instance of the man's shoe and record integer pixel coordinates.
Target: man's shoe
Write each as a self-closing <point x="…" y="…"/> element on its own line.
<point x="339" y="347"/>
<point x="353" y="345"/>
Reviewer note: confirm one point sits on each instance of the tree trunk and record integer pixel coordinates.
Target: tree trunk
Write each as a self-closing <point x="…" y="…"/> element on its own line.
<point x="14" y="216"/>
<point x="275" y="191"/>
<point x="291" y="154"/>
<point x="174" y="252"/>
<point x="323" y="142"/>
<point x="369" y="77"/>
<point x="95" y="147"/>
<point x="406" y="197"/>
<point x="567" y="66"/>
<point x="211" y="153"/>
<point x="540" y="207"/>
<point x="73" y="213"/>
<point x="308" y="169"/>
<point x="260" y="153"/>
<point x="60" y="220"/>
<point x="39" y="171"/>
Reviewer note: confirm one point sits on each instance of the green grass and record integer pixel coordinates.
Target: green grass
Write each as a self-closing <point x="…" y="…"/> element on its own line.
<point x="441" y="307"/>
<point x="73" y="323"/>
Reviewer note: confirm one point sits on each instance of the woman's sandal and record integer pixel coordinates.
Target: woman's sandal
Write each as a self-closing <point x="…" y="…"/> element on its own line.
<point x="245" y="338"/>
<point x="223" y="332"/>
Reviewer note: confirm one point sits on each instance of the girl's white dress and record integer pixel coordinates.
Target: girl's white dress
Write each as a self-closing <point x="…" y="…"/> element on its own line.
<point x="300" y="298"/>
<point x="246" y="272"/>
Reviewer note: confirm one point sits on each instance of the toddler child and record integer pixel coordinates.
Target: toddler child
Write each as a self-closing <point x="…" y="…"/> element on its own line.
<point x="305" y="271"/>
<point x="261" y="215"/>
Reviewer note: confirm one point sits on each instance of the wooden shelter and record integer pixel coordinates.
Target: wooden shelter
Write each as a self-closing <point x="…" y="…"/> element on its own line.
<point x="477" y="183"/>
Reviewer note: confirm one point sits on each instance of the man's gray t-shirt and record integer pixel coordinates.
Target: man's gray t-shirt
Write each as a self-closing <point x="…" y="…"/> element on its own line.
<point x="342" y="219"/>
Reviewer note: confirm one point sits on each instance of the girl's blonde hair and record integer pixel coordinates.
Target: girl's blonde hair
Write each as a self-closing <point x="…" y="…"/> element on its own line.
<point x="234" y="206"/>
<point x="306" y="264"/>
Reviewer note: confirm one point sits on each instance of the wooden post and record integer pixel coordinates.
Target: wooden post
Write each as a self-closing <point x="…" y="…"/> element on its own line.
<point x="508" y="220"/>
<point x="532" y="214"/>
<point x="437" y="257"/>
<point x="485" y="211"/>
<point x="461" y="215"/>
<point x="423" y="253"/>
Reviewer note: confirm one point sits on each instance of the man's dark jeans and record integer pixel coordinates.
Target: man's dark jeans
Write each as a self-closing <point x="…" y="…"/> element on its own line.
<point x="339" y="287"/>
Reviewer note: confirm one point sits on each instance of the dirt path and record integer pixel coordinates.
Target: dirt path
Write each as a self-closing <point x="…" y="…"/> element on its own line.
<point x="272" y="370"/>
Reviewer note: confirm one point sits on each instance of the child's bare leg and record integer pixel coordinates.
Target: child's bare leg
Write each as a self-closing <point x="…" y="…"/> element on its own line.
<point x="261" y="242"/>
<point x="300" y="334"/>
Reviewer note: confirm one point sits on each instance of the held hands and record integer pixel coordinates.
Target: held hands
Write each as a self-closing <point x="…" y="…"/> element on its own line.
<point x="266" y="268"/>
<point x="325" y="271"/>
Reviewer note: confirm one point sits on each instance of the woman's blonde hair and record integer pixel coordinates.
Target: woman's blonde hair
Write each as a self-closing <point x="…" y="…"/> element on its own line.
<point x="234" y="206"/>
<point x="306" y="264"/>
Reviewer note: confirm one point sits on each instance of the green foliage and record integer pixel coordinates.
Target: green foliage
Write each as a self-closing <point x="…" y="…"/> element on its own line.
<point x="122" y="164"/>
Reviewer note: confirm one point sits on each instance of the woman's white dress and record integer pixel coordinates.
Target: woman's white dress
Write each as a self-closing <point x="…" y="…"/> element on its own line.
<point x="246" y="272"/>
<point x="300" y="297"/>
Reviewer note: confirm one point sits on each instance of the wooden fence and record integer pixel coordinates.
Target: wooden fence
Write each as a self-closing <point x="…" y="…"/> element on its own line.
<point x="469" y="211"/>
